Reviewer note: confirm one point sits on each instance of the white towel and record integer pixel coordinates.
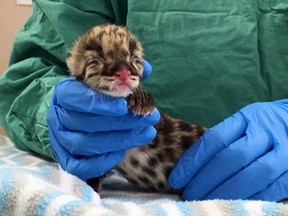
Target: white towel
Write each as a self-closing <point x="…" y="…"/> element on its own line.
<point x="30" y="185"/>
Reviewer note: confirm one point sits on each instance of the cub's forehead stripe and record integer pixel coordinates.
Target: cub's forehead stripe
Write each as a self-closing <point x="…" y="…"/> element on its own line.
<point x="132" y="45"/>
<point x="93" y="45"/>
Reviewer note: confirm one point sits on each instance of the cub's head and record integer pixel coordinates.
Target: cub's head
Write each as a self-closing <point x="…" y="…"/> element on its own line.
<point x="109" y="59"/>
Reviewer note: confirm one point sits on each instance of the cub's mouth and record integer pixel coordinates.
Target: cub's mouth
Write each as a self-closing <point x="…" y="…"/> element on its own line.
<point x="121" y="84"/>
<point x="121" y="89"/>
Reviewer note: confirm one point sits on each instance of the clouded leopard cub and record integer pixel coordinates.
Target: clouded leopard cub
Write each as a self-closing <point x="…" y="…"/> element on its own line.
<point x="109" y="59"/>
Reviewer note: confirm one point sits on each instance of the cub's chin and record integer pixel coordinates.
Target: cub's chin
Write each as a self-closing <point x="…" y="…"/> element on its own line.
<point x="123" y="89"/>
<point x="118" y="93"/>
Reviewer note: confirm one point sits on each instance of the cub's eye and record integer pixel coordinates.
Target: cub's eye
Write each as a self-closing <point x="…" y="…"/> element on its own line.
<point x="95" y="61"/>
<point x="136" y="65"/>
<point x="135" y="60"/>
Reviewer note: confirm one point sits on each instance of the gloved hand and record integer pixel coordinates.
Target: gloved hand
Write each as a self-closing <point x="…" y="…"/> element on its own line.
<point x="89" y="131"/>
<point x="243" y="157"/>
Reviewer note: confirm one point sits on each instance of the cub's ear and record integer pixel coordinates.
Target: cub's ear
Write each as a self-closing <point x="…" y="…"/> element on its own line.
<point x="75" y="68"/>
<point x="69" y="63"/>
<point x="68" y="56"/>
<point x="68" y="59"/>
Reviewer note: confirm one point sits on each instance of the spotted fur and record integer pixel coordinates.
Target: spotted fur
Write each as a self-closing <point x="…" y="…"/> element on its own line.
<point x="97" y="58"/>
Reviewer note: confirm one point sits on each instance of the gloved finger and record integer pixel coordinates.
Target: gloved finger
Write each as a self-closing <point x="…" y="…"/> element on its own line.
<point x="89" y="122"/>
<point x="212" y="142"/>
<point x="276" y="191"/>
<point x="283" y="102"/>
<point x="94" y="166"/>
<point x="87" y="144"/>
<point x="238" y="154"/>
<point x="254" y="178"/>
<point x="85" y="167"/>
<point x="147" y="69"/>
<point x="73" y="95"/>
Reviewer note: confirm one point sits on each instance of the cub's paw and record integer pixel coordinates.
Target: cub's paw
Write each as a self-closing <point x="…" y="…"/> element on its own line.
<point x="96" y="183"/>
<point x="141" y="104"/>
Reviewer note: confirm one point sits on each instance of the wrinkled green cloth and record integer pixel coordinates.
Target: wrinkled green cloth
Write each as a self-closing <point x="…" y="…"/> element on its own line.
<point x="209" y="58"/>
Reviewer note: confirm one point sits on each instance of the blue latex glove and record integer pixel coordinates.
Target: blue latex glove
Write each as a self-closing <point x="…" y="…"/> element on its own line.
<point x="89" y="132"/>
<point x="243" y="157"/>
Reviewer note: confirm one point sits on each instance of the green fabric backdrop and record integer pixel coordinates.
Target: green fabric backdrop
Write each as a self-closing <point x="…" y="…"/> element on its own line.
<point x="210" y="58"/>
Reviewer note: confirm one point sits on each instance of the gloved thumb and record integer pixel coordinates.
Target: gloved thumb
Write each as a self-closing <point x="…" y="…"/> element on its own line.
<point x="147" y="69"/>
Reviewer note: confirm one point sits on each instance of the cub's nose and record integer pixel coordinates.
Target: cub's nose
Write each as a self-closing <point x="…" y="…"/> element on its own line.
<point x="123" y="74"/>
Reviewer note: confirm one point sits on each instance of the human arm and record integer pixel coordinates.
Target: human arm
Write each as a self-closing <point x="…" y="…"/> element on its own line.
<point x="243" y="157"/>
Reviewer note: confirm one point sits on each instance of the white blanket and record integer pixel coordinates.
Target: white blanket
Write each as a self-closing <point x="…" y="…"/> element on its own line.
<point x="30" y="185"/>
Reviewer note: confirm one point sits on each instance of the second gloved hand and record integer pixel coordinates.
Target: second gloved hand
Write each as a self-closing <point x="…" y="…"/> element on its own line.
<point x="90" y="132"/>
<point x="243" y="157"/>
